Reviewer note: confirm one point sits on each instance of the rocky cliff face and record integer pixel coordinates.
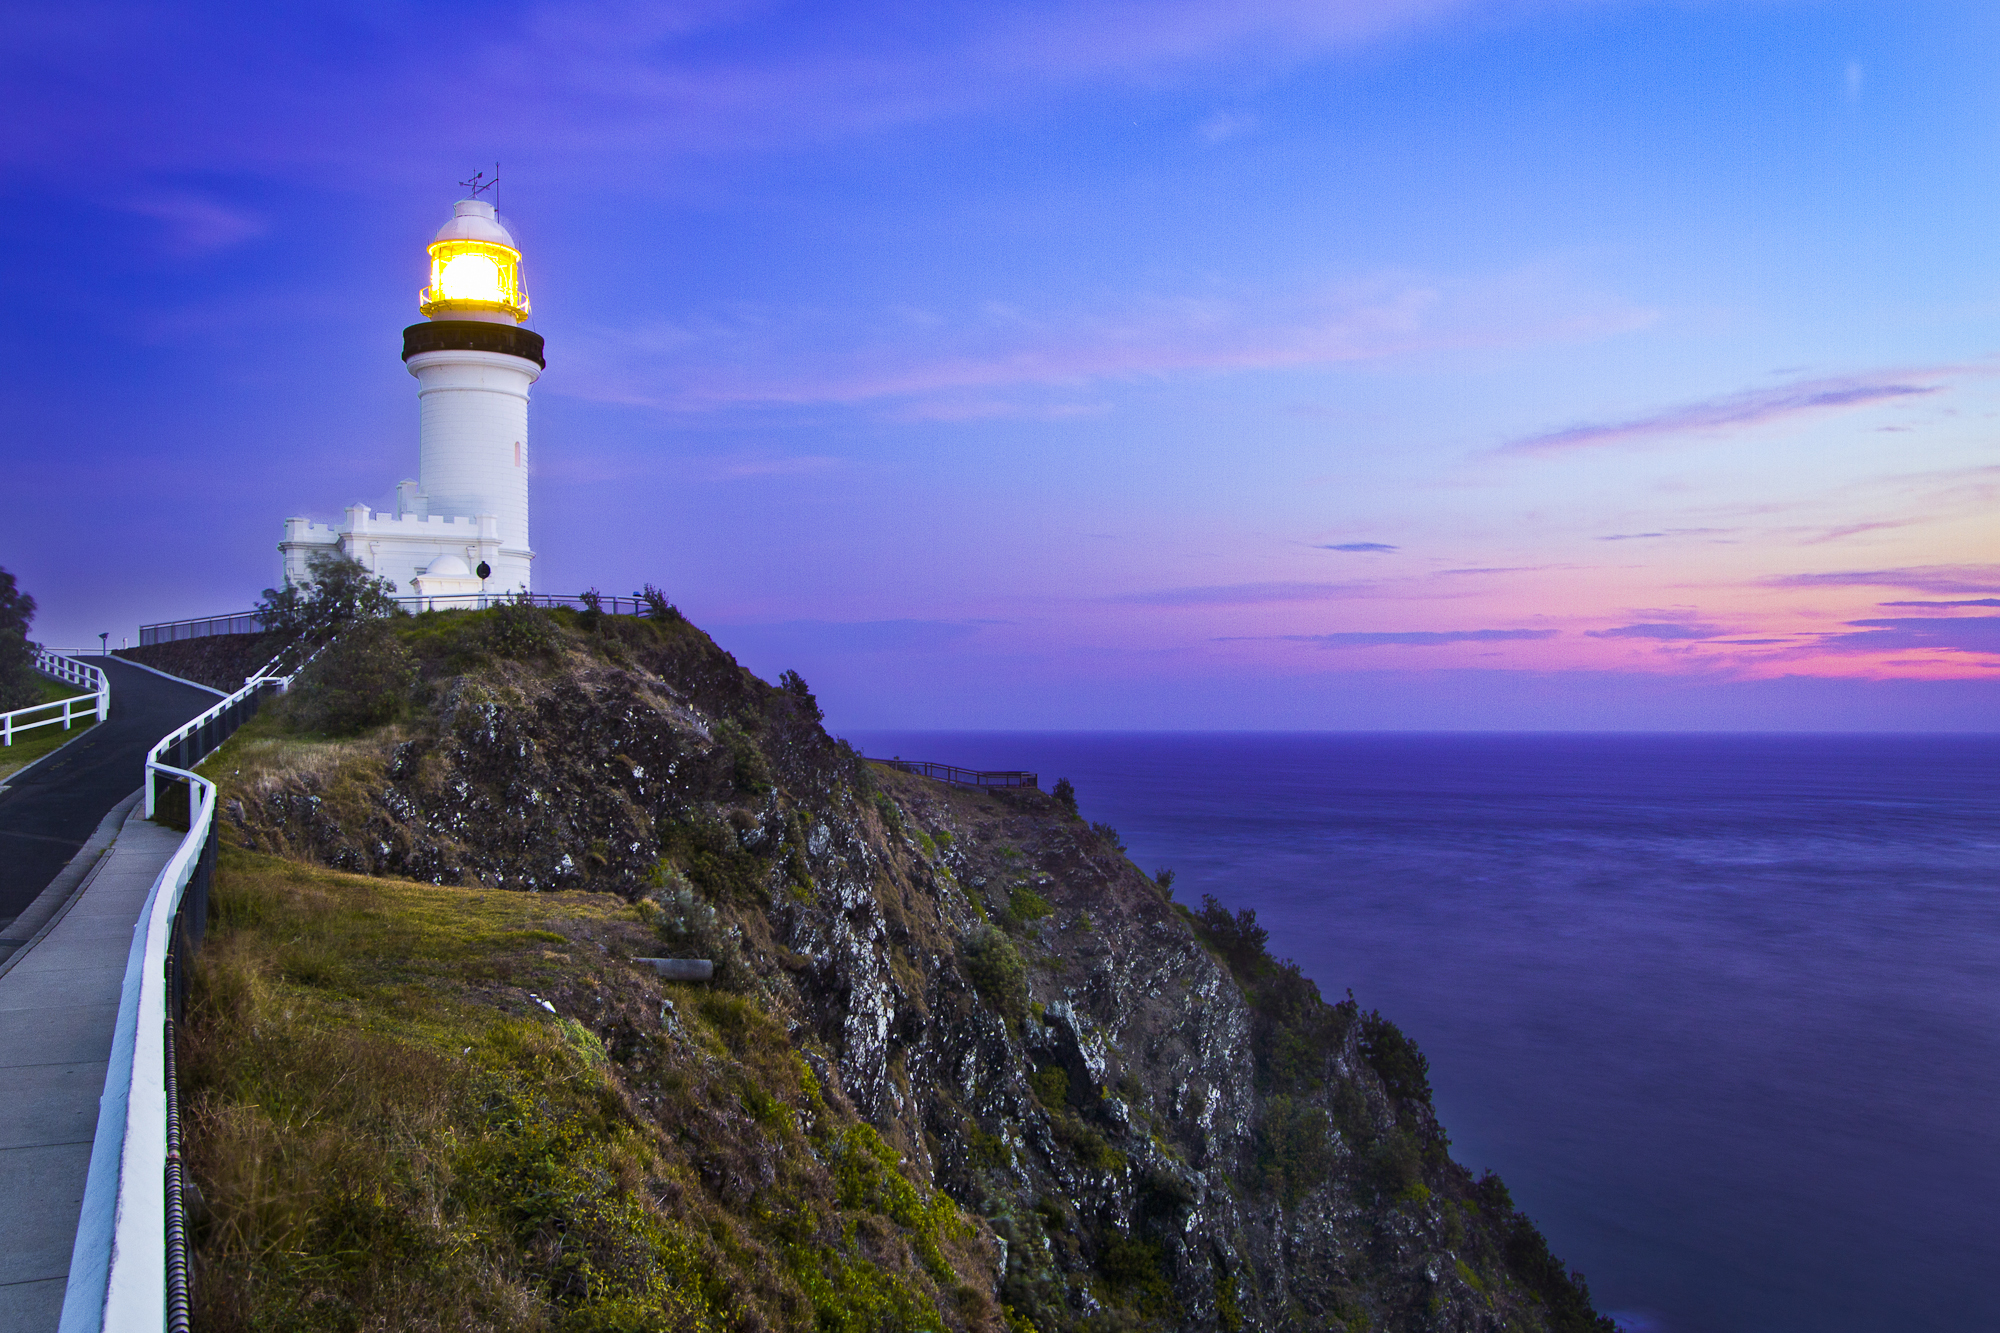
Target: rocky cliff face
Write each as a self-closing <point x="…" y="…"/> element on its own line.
<point x="1151" y="1121"/>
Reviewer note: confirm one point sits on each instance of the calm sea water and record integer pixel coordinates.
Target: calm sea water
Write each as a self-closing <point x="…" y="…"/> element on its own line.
<point x="1723" y="1010"/>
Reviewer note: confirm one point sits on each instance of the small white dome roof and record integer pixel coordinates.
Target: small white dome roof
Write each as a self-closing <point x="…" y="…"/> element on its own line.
<point x="448" y="567"/>
<point x="475" y="220"/>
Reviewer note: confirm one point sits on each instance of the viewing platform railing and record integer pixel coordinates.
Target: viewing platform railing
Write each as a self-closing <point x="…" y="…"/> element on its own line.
<point x="963" y="777"/>
<point x="250" y="622"/>
<point x="64" y="711"/>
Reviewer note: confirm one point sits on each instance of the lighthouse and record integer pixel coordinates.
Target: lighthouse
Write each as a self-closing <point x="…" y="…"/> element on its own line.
<point x="460" y="527"/>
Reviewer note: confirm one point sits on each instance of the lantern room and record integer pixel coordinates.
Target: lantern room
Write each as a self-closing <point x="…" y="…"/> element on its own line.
<point x="475" y="269"/>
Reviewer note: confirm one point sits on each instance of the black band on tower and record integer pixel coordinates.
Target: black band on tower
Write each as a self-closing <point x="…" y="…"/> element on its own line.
<point x="472" y="335"/>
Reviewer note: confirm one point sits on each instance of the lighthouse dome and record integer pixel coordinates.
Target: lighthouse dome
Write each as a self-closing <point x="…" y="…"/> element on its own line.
<point x="475" y="220"/>
<point x="449" y="567"/>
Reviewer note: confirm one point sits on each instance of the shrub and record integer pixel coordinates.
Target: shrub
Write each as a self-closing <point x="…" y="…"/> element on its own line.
<point x="1395" y="1059"/>
<point x="658" y="607"/>
<point x="1239" y="937"/>
<point x="20" y="686"/>
<point x="1135" y="1271"/>
<point x="592" y="614"/>
<point x="1027" y="905"/>
<point x="1165" y="879"/>
<point x="749" y="771"/>
<point x="1051" y="1085"/>
<point x="362" y="680"/>
<point x="521" y="631"/>
<point x="691" y="928"/>
<point x="794" y="685"/>
<point x="1065" y="798"/>
<point x="995" y="969"/>
<point x="1294" y="1147"/>
<point x="338" y="591"/>
<point x="1108" y="836"/>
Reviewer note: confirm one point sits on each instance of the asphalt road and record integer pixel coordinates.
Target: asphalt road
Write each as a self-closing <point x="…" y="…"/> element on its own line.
<point x="48" y="813"/>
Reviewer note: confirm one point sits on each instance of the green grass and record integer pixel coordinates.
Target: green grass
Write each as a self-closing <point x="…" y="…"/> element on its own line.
<point x="390" y="1132"/>
<point x="32" y="745"/>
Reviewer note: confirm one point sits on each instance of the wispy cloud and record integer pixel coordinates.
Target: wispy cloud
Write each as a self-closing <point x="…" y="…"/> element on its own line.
<point x="753" y="467"/>
<point x="584" y="84"/>
<point x="1398" y="638"/>
<point x="1225" y="125"/>
<point x="1965" y="601"/>
<point x="195" y="224"/>
<point x="1922" y="578"/>
<point x="1731" y="411"/>
<point x="1662" y="632"/>
<point x="1006" y="357"/>
<point x="862" y="636"/>
<point x="1246" y="594"/>
<point x="1957" y="634"/>
<point x="1357" y="546"/>
<point x="1664" y="532"/>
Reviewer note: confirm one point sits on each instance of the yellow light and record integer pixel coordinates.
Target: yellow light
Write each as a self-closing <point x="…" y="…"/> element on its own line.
<point x="470" y="278"/>
<point x="474" y="275"/>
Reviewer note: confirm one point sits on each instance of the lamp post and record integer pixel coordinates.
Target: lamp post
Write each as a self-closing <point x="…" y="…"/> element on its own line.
<point x="104" y="644"/>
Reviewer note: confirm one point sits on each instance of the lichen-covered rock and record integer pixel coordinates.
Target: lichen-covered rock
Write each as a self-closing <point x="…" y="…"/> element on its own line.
<point x="1167" y="1129"/>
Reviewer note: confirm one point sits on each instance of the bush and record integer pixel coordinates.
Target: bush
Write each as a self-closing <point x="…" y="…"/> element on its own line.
<point x="338" y="591"/>
<point x="658" y="607"/>
<point x="1108" y="836"/>
<point x="1395" y="1059"/>
<point x="1239" y="937"/>
<point x="1294" y="1147"/>
<point x="521" y="631"/>
<point x="996" y="971"/>
<point x="794" y="685"/>
<point x="1165" y="879"/>
<point x="20" y="684"/>
<point x="1065" y="798"/>
<point x="691" y="928"/>
<point x="749" y="771"/>
<point x="362" y="680"/>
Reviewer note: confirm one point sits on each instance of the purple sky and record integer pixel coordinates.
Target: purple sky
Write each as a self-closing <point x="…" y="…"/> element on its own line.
<point x="1352" y="363"/>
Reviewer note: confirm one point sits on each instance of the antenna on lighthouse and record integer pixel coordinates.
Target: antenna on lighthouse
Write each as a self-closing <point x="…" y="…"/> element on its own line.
<point x="480" y="185"/>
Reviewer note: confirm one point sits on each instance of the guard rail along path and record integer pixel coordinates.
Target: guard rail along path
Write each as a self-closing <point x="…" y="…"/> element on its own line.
<point x="65" y="711"/>
<point x="129" y="1268"/>
<point x="963" y="777"/>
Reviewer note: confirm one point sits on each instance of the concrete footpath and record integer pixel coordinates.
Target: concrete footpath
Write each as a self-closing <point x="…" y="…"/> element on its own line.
<point x="58" y="1004"/>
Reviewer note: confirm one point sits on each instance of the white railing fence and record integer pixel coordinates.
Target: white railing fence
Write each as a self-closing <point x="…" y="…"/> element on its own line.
<point x="64" y="711"/>
<point x="129" y="1267"/>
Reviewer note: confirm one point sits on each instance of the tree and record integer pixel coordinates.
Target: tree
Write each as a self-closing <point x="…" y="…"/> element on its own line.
<point x="19" y="685"/>
<point x="338" y="591"/>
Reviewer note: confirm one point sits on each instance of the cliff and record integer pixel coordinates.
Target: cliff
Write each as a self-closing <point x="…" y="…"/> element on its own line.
<point x="963" y="1065"/>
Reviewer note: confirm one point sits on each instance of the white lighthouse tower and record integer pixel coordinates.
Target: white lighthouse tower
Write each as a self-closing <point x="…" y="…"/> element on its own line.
<point x="460" y="528"/>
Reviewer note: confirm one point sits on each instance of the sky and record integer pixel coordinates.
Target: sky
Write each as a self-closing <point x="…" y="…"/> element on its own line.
<point x="1407" y="364"/>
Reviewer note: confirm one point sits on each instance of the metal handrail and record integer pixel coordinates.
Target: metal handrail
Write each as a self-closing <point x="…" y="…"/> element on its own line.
<point x="252" y="622"/>
<point x="70" y="672"/>
<point x="964" y="777"/>
<point x="128" y="1268"/>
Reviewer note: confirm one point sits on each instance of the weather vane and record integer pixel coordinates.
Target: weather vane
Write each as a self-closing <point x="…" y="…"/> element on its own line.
<point x="480" y="185"/>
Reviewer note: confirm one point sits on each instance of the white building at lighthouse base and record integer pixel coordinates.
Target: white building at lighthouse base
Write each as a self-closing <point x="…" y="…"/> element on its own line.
<point x="432" y="556"/>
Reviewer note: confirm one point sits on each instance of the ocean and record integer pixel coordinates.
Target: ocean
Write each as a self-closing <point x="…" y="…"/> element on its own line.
<point x="1723" y="1010"/>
